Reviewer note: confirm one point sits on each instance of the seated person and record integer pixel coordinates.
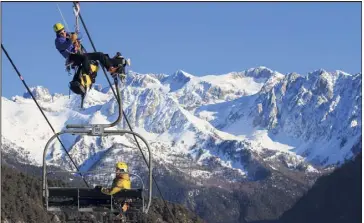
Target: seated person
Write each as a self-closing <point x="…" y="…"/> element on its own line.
<point x="121" y="181"/>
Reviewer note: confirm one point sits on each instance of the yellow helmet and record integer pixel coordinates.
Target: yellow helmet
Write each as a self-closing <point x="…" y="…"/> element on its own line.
<point x="122" y="166"/>
<point x="58" y="27"/>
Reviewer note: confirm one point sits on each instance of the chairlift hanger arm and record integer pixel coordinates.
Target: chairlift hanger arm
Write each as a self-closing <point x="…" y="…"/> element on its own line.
<point x="104" y="125"/>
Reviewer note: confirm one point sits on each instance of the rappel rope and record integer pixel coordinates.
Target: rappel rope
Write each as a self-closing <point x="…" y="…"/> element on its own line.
<point x="76" y="4"/>
<point x="64" y="21"/>
<point x="31" y="94"/>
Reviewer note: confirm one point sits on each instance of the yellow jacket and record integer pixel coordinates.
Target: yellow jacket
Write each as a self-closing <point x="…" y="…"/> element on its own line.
<point x="121" y="181"/>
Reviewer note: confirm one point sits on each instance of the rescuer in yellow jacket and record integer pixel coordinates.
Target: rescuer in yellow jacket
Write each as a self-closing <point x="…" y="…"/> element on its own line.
<point x="121" y="181"/>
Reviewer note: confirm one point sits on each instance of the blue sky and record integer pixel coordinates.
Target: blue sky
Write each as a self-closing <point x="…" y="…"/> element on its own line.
<point x="199" y="38"/>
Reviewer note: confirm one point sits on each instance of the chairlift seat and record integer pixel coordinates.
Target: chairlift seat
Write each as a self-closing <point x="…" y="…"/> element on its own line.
<point x="90" y="200"/>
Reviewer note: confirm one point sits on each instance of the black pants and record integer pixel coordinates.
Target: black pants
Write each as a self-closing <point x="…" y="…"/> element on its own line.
<point x="85" y="58"/>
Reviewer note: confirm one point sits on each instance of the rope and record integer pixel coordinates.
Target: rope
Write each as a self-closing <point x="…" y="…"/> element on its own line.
<point x="64" y="21"/>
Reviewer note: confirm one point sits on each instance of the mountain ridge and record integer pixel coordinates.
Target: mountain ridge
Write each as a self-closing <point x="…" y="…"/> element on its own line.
<point x="210" y="135"/>
<point x="151" y="105"/>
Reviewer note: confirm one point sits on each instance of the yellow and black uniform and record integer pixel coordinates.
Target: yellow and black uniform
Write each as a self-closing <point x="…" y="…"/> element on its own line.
<point x="121" y="181"/>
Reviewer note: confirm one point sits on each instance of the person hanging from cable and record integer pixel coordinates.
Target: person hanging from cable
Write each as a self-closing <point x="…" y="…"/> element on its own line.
<point x="68" y="45"/>
<point x="120" y="182"/>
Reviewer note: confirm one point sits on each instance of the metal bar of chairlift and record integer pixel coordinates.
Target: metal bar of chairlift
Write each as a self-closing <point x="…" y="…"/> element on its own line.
<point x="98" y="130"/>
<point x="104" y="125"/>
<point x="104" y="133"/>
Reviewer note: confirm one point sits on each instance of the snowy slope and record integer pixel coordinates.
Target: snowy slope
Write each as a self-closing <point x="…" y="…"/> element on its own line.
<point x="317" y="116"/>
<point x="236" y="125"/>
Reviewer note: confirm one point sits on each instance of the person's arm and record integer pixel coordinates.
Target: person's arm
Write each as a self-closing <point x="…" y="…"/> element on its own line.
<point x="64" y="44"/>
<point x="76" y="40"/>
<point x="110" y="191"/>
<point x="107" y="191"/>
<point x="115" y="188"/>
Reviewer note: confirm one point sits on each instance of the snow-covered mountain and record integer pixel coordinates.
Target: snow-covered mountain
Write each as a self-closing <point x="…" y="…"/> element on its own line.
<point x="317" y="116"/>
<point x="236" y="126"/>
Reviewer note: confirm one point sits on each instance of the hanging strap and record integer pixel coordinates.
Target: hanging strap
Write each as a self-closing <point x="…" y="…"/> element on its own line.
<point x="76" y="11"/>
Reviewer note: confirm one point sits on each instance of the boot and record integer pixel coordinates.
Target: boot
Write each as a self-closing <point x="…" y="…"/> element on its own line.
<point x="125" y="207"/>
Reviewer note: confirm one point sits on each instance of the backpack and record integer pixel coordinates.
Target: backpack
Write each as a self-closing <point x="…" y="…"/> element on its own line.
<point x="81" y="82"/>
<point x="77" y="88"/>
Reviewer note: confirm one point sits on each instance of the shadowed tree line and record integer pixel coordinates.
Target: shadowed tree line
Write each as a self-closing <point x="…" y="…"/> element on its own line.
<point x="335" y="198"/>
<point x="21" y="201"/>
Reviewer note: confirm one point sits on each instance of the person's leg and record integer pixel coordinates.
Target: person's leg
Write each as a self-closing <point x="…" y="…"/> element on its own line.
<point x="79" y="59"/>
<point x="104" y="60"/>
<point x="117" y="61"/>
<point x="76" y="59"/>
